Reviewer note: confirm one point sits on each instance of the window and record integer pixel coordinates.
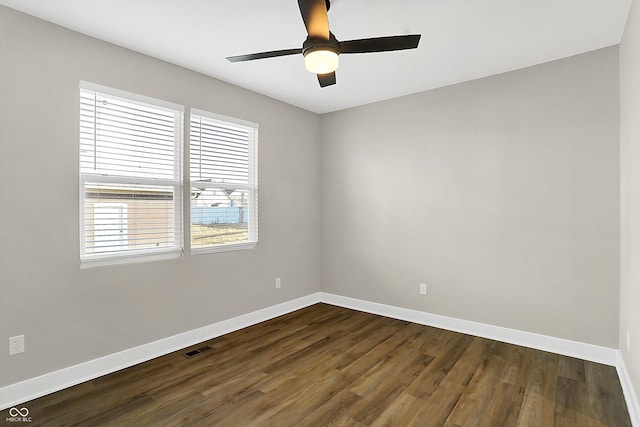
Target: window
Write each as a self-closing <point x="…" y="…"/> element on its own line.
<point x="223" y="169"/>
<point x="130" y="191"/>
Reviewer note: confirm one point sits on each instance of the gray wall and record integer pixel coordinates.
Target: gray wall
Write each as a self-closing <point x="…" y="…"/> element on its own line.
<point x="502" y="194"/>
<point x="70" y="315"/>
<point x="630" y="194"/>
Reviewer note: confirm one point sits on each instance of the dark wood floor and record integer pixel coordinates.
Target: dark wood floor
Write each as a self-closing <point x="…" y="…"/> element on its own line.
<point x="326" y="365"/>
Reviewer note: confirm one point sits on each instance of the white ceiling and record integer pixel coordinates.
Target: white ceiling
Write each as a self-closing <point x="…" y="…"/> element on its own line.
<point x="461" y="39"/>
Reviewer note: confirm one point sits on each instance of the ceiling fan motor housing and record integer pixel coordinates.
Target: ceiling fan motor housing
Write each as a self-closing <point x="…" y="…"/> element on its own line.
<point x="314" y="44"/>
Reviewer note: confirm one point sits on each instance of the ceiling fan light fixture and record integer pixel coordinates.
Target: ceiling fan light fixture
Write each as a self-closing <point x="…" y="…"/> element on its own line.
<point x="321" y="61"/>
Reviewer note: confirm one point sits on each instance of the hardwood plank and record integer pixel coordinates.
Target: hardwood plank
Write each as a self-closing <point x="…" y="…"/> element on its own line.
<point x="536" y="410"/>
<point x="402" y="412"/>
<point x="572" y="407"/>
<point x="394" y="365"/>
<point x="474" y="402"/>
<point x="331" y="411"/>
<point x="375" y="355"/>
<point x="437" y="407"/>
<point x="570" y="367"/>
<point x="601" y="390"/>
<point x="539" y="400"/>
<point x="361" y="357"/>
<point x="504" y="406"/>
<point x="518" y="360"/>
<point x="440" y="368"/>
<point x="381" y="394"/>
<point x="290" y="412"/>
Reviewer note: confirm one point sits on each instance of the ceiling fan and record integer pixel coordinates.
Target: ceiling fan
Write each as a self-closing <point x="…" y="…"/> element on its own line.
<point x="321" y="48"/>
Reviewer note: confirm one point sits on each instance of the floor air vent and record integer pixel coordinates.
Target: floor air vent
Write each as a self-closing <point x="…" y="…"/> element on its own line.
<point x="189" y="354"/>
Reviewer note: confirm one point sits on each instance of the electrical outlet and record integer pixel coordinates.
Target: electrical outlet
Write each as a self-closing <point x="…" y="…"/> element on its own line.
<point x="16" y="345"/>
<point x="278" y="283"/>
<point x="423" y="288"/>
<point x="628" y="341"/>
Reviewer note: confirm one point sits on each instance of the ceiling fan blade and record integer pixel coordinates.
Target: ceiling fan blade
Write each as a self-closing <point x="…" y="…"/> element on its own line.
<point x="380" y="44"/>
<point x="327" y="79"/>
<point x="262" y="55"/>
<point x="314" y="15"/>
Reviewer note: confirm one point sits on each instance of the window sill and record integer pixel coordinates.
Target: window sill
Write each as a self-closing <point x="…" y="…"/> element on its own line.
<point x="91" y="262"/>
<point x="224" y="248"/>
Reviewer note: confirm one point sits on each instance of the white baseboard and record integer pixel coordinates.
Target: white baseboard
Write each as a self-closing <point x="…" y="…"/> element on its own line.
<point x="594" y="353"/>
<point x="33" y="388"/>
<point x="630" y="396"/>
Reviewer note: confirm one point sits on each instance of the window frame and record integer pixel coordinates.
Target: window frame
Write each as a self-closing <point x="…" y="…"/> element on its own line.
<point x="144" y="255"/>
<point x="251" y="187"/>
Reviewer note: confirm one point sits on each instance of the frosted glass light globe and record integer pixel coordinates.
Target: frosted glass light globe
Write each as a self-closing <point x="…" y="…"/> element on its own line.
<point x="321" y="61"/>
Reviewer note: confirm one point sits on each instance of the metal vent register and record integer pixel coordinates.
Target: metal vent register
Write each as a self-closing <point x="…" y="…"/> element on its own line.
<point x="191" y="353"/>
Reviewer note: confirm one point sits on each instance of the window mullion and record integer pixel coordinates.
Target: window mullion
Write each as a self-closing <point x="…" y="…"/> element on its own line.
<point x="127" y="180"/>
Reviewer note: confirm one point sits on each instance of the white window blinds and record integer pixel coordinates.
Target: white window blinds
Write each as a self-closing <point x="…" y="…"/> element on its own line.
<point x="129" y="175"/>
<point x="224" y="192"/>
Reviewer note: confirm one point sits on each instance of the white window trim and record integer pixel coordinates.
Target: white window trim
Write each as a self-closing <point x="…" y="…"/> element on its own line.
<point x="131" y="97"/>
<point x="253" y="177"/>
<point x="94" y="260"/>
